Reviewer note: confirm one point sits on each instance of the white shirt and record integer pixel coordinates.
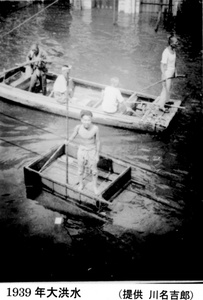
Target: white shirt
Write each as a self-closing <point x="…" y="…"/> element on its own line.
<point x="60" y="85"/>
<point x="168" y="59"/>
<point x="111" y="98"/>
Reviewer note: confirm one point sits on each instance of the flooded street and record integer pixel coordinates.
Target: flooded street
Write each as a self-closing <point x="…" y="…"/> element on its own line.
<point x="147" y="240"/>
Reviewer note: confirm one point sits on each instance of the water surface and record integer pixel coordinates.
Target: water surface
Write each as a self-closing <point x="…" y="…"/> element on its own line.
<point x="146" y="238"/>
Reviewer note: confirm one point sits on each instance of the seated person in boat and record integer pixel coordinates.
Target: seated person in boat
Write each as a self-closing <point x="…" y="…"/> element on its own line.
<point x="38" y="68"/>
<point x="111" y="97"/>
<point x="88" y="150"/>
<point x="63" y="86"/>
<point x="168" y="70"/>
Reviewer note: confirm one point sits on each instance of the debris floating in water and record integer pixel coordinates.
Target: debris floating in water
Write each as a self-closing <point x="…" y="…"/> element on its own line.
<point x="58" y="220"/>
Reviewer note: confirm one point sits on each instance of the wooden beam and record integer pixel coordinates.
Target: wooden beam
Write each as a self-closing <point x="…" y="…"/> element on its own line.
<point x="117" y="184"/>
<point x="52" y="158"/>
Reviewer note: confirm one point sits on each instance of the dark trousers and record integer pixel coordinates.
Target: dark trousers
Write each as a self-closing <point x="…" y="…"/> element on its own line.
<point x="41" y="76"/>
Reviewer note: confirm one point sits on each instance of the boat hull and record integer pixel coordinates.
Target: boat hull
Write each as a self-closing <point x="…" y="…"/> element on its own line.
<point x="87" y="95"/>
<point x="118" y="181"/>
<point x="52" y="173"/>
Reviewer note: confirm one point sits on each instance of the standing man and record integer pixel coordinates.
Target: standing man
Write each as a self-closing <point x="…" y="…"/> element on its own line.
<point x="63" y="86"/>
<point x="88" y="150"/>
<point x="38" y="68"/>
<point x="168" y="69"/>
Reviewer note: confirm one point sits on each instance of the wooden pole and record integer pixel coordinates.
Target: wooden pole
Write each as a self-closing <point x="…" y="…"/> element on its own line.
<point x="115" y="12"/>
<point x="151" y="85"/>
<point x="159" y="16"/>
<point x="67" y="135"/>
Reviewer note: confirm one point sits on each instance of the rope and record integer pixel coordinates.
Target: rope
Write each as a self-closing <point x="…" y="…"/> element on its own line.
<point x="28" y="19"/>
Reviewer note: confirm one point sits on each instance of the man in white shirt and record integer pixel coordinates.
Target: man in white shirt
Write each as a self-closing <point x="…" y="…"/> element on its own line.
<point x="63" y="86"/>
<point x="168" y="70"/>
<point x="112" y="97"/>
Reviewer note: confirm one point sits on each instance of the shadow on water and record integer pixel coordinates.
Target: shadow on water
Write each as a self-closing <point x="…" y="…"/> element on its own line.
<point x="147" y="238"/>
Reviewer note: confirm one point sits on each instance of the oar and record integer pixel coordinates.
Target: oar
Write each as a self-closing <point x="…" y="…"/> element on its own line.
<point x="155" y="104"/>
<point x="160" y="81"/>
<point x="24" y="64"/>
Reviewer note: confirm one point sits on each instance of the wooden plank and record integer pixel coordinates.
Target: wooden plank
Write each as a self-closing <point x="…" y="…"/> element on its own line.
<point x="48" y="183"/>
<point x="33" y="183"/>
<point x="57" y="172"/>
<point x="105" y="167"/>
<point x="97" y="103"/>
<point x="20" y="81"/>
<point x="117" y="184"/>
<point x="52" y="158"/>
<point x="104" y="176"/>
<point x="52" y="176"/>
<point x="60" y="189"/>
<point x="62" y="161"/>
<point x="37" y="164"/>
<point x="13" y="77"/>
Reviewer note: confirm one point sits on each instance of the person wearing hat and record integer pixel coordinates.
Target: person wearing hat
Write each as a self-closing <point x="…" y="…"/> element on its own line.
<point x="88" y="150"/>
<point x="63" y="86"/>
<point x="38" y="68"/>
<point x="168" y="70"/>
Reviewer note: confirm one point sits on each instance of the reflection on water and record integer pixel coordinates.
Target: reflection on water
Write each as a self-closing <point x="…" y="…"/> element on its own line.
<point x="97" y="50"/>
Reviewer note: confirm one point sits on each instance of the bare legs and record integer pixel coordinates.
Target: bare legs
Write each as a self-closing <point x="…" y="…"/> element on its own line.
<point x="88" y="160"/>
<point x="94" y="182"/>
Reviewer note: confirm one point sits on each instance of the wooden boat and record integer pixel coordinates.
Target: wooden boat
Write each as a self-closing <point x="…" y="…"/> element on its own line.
<point x="118" y="182"/>
<point x="50" y="173"/>
<point x="87" y="95"/>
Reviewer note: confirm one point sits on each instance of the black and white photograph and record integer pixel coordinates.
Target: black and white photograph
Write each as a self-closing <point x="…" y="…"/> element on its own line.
<point x="101" y="143"/>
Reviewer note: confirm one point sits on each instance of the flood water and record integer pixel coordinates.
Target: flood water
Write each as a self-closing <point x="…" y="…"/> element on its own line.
<point x="147" y="240"/>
